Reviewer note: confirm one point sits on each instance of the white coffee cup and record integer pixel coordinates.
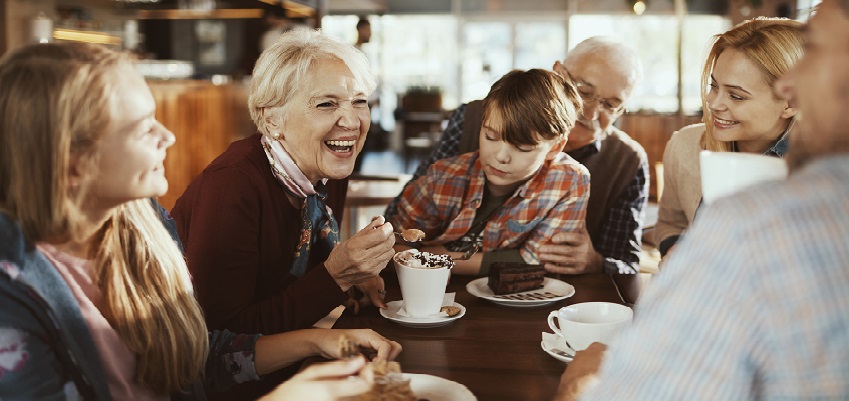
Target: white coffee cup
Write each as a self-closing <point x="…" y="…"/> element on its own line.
<point x="585" y="323"/>
<point x="724" y="173"/>
<point x="421" y="288"/>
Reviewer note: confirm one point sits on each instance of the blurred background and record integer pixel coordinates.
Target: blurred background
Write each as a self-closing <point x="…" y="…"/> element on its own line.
<point x="429" y="56"/>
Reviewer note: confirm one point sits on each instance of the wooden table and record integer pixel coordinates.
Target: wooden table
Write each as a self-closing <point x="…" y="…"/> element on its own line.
<point x="493" y="350"/>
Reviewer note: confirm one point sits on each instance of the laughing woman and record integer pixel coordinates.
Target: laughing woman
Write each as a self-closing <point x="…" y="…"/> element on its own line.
<point x="260" y="223"/>
<point x="742" y="113"/>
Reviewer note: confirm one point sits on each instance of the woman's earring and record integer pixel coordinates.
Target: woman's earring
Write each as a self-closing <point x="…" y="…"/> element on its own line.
<point x="275" y="136"/>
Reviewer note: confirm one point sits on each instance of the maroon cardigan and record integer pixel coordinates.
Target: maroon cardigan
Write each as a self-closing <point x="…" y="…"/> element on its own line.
<point x="239" y="232"/>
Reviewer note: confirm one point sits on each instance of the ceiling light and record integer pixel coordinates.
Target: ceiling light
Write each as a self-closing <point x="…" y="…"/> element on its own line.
<point x="639" y="7"/>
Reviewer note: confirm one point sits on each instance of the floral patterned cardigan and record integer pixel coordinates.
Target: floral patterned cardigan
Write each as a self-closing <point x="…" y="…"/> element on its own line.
<point x="46" y="351"/>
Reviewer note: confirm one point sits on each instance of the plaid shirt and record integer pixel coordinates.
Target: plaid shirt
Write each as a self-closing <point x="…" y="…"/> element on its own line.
<point x="444" y="202"/>
<point x="622" y="231"/>
<point x="620" y="242"/>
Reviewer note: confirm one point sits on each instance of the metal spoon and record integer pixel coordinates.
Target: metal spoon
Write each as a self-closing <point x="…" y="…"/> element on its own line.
<point x="569" y="345"/>
<point x="560" y="352"/>
<point x="470" y="253"/>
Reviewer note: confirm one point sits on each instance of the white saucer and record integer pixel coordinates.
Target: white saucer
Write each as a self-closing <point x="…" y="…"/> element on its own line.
<point x="559" y="357"/>
<point x="435" y="388"/>
<point x="556" y="289"/>
<point x="391" y="313"/>
<point x="548" y="343"/>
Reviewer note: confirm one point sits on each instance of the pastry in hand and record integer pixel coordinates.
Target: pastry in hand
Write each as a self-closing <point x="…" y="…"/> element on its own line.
<point x="389" y="383"/>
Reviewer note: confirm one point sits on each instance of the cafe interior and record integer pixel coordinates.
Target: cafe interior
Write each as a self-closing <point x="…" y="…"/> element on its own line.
<point x="428" y="58"/>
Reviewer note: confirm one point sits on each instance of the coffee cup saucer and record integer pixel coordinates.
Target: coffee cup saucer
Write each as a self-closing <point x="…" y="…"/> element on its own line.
<point x="551" y="345"/>
<point x="391" y="313"/>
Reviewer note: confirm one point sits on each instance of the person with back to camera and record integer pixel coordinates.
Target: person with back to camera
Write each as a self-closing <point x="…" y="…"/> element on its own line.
<point x="513" y="193"/>
<point x="260" y="223"/>
<point x="754" y="302"/>
<point x="605" y="72"/>
<point x="742" y="114"/>
<point x="97" y="300"/>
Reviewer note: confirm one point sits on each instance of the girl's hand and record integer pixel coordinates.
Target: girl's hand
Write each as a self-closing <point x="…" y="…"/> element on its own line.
<point x="326" y="382"/>
<point x="328" y="343"/>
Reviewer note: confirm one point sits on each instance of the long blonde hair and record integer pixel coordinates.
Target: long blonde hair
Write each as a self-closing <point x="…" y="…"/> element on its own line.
<point x="55" y="102"/>
<point x="774" y="45"/>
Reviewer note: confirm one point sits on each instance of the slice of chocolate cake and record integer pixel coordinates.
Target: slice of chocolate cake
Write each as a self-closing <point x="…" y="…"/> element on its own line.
<point x="509" y="278"/>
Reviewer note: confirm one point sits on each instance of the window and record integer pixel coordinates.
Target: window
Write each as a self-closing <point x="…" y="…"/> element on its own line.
<point x="804" y="9"/>
<point x="654" y="38"/>
<point x="465" y="56"/>
<point x="491" y="48"/>
<point x="405" y="51"/>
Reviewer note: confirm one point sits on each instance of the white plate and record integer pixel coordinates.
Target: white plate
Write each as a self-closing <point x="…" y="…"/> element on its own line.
<point x="435" y="388"/>
<point x="391" y="313"/>
<point x="559" y="289"/>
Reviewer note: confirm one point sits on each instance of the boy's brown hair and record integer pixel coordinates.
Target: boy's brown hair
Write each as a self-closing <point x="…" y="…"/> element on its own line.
<point x="533" y="104"/>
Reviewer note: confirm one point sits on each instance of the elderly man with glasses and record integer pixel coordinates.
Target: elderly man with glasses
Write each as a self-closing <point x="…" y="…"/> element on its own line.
<point x="605" y="73"/>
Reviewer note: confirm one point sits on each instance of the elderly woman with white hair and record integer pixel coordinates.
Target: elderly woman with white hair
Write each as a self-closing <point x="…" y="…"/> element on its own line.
<point x="260" y="223"/>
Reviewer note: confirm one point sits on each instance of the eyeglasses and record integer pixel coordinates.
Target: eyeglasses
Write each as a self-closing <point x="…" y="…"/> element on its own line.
<point x="587" y="93"/>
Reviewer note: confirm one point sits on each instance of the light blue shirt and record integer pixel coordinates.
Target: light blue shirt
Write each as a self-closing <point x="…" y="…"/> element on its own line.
<point x="752" y="305"/>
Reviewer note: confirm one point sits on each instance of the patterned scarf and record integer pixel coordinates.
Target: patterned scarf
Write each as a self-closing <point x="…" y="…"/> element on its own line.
<point x="318" y="227"/>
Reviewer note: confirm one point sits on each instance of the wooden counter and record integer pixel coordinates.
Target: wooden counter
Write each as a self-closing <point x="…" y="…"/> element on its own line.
<point x="205" y="118"/>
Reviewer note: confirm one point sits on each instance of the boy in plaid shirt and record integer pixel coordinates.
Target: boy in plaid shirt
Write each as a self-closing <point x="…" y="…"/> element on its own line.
<point x="515" y="192"/>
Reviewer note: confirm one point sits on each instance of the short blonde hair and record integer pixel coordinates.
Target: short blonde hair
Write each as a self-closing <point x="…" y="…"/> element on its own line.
<point x="55" y="107"/>
<point x="533" y="102"/>
<point x="282" y="68"/>
<point x="774" y="45"/>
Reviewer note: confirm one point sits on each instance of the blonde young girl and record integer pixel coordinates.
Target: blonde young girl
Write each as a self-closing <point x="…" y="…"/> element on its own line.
<point x="97" y="301"/>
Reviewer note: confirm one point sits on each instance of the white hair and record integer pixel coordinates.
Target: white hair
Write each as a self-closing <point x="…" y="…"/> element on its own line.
<point x="282" y="68"/>
<point x="619" y="57"/>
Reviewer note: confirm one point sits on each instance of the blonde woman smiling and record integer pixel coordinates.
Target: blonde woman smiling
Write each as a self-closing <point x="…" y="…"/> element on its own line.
<point x="742" y="113"/>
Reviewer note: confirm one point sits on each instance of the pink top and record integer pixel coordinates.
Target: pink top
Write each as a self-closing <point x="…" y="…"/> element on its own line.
<point x="118" y="361"/>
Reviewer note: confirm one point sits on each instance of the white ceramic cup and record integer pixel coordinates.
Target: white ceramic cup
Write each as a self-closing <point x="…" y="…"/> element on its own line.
<point x="585" y="323"/>
<point x="421" y="289"/>
<point x="724" y="173"/>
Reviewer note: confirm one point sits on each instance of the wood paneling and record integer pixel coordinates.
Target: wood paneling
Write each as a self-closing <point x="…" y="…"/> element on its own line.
<point x="3" y="27"/>
<point x="653" y="131"/>
<point x="205" y="118"/>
